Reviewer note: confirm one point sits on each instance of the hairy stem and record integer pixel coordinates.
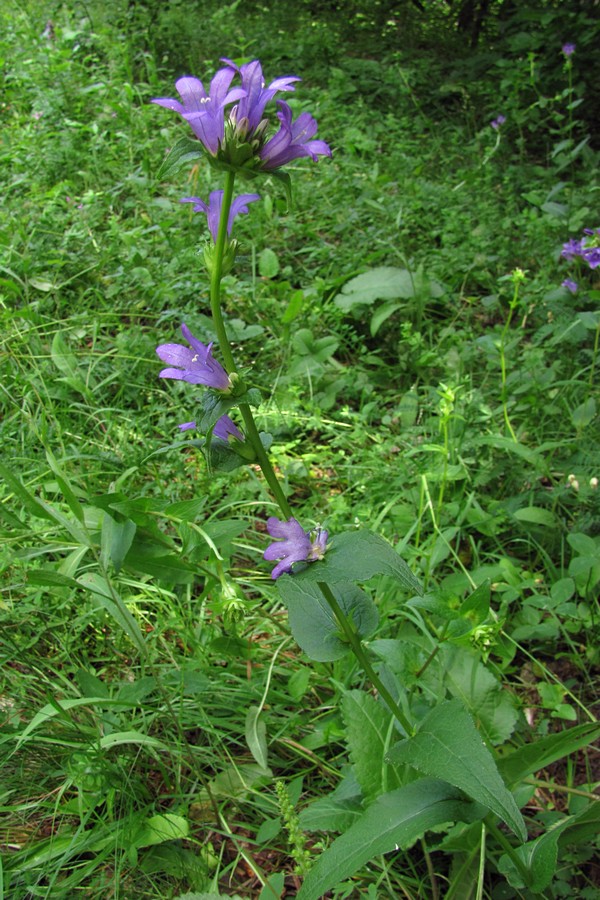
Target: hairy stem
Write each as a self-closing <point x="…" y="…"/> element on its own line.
<point x="357" y="648"/>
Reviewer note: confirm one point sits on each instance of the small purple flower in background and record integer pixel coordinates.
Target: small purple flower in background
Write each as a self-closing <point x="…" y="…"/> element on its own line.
<point x="591" y="256"/>
<point x="293" y="545"/>
<point x="572" y="249"/>
<point x="248" y="113"/>
<point x="568" y="50"/>
<point x="196" y="366"/>
<point x="212" y="209"/>
<point x="224" y="427"/>
<point x="293" y="140"/>
<point x="205" y="112"/>
<point x="570" y="285"/>
<point x="498" y="122"/>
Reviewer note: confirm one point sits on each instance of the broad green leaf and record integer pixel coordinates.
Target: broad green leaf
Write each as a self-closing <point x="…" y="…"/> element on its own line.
<point x="268" y="264"/>
<point x="336" y="811"/>
<point x="118" y="738"/>
<point x="157" y="829"/>
<point x="116" y="539"/>
<point x="188" y="510"/>
<point x="235" y="782"/>
<point x="313" y="623"/>
<point x="394" y="820"/>
<point x="256" y="735"/>
<point x="369" y="734"/>
<point x="539" y="754"/>
<point x="273" y="887"/>
<point x="536" y="516"/>
<point x="469" y="680"/>
<point x="381" y="283"/>
<point x="584" y="414"/>
<point x="447" y="745"/>
<point x="382" y="315"/>
<point x="108" y="597"/>
<point x="539" y="858"/>
<point x="357" y="556"/>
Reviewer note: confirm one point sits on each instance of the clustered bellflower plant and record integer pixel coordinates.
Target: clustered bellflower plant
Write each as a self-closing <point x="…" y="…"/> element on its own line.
<point x="244" y="130"/>
<point x="238" y="135"/>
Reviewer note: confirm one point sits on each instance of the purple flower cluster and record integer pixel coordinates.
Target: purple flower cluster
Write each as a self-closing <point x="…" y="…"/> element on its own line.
<point x="293" y="544"/>
<point x="238" y="136"/>
<point x="568" y="50"/>
<point x="587" y="248"/>
<point x="498" y="122"/>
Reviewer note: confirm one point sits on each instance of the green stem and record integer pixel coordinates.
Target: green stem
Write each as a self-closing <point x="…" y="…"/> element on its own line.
<point x="507" y="421"/>
<point x="215" y="306"/>
<point x="508" y="848"/>
<point x="357" y="649"/>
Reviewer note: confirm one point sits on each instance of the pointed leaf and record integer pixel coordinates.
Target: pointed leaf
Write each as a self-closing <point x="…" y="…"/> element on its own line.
<point x="313" y="623"/>
<point x="394" y="820"/>
<point x="533" y="757"/>
<point x="256" y="736"/>
<point x="186" y="150"/>
<point x="358" y="556"/>
<point x="369" y="733"/>
<point x="447" y="745"/>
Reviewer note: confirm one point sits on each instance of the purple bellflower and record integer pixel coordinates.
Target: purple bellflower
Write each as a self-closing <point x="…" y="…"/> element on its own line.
<point x="205" y="112"/>
<point x="498" y="122"/>
<point x="592" y="256"/>
<point x="196" y="365"/>
<point x="212" y="209"/>
<point x="570" y="285"/>
<point x="572" y="248"/>
<point x="568" y="50"/>
<point x="293" y="140"/>
<point x="236" y="139"/>
<point x="224" y="428"/>
<point x="293" y="545"/>
<point x="248" y="113"/>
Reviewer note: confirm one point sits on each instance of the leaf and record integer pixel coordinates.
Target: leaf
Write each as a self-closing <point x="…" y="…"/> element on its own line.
<point x="116" y="539"/>
<point x="382" y="315"/>
<point x="256" y="735"/>
<point x="381" y="283"/>
<point x="394" y="820"/>
<point x="111" y="601"/>
<point x="357" y="556"/>
<point x="532" y="757"/>
<point x="186" y="150"/>
<point x="338" y="810"/>
<point x="369" y="730"/>
<point x="468" y="680"/>
<point x="539" y="857"/>
<point x="313" y="623"/>
<point x="268" y="264"/>
<point x="584" y="414"/>
<point x="536" y="516"/>
<point x="30" y="503"/>
<point x="449" y="746"/>
<point x="158" y="829"/>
